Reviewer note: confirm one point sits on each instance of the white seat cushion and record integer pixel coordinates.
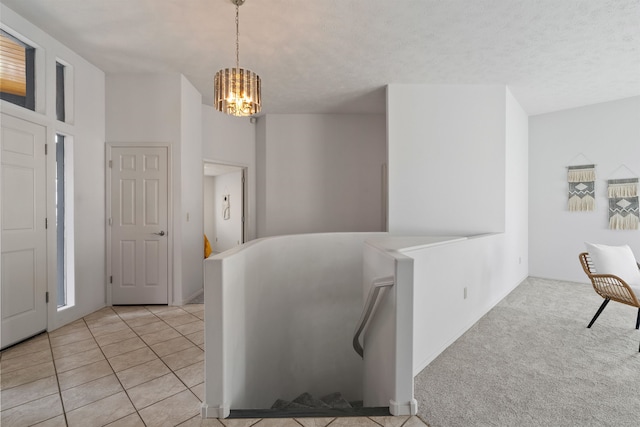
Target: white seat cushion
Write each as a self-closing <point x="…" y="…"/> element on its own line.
<point x="616" y="260"/>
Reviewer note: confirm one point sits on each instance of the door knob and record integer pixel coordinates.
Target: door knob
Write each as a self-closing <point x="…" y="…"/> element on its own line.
<point x="160" y="233"/>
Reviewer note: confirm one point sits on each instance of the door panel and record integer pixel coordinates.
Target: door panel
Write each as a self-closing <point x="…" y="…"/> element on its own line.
<point x="17" y="269"/>
<point x="24" y="240"/>
<point x="139" y="206"/>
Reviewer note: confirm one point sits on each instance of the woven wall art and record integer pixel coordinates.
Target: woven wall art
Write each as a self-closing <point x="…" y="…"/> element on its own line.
<point x="581" y="187"/>
<point x="623" y="204"/>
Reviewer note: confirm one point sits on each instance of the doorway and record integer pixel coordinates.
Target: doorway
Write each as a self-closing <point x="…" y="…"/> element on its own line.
<point x="224" y="205"/>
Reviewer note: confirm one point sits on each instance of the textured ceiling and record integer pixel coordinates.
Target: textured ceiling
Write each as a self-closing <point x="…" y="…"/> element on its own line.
<point x="337" y="56"/>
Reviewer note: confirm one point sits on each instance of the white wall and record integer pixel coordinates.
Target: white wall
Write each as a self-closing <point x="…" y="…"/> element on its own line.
<point x="446" y="158"/>
<point x="607" y="135"/>
<point x="231" y="140"/>
<point x="476" y="138"/>
<point x="267" y="336"/>
<point x="191" y="192"/>
<point x="85" y="127"/>
<point x="209" y="191"/>
<point x="441" y="273"/>
<point x="144" y="108"/>
<point x="261" y="175"/>
<point x="227" y="232"/>
<point x="320" y="173"/>
<point x="516" y="256"/>
<point x="166" y="108"/>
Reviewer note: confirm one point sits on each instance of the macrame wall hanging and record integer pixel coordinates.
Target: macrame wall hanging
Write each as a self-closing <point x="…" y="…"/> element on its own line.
<point x="623" y="204"/>
<point x="581" y="187"/>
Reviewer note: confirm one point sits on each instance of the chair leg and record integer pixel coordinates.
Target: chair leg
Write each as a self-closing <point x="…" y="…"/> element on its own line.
<point x="604" y="304"/>
<point x="638" y="319"/>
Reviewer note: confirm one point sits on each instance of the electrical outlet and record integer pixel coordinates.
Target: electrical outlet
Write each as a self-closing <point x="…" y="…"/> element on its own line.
<point x="519" y="260"/>
<point x="465" y="292"/>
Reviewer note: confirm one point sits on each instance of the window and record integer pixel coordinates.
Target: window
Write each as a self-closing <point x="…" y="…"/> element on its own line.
<point x="62" y="298"/>
<point x="60" y="112"/>
<point x="17" y="76"/>
<point x="64" y="222"/>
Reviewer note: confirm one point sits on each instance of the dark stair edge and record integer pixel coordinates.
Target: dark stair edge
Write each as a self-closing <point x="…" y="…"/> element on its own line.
<point x="310" y="412"/>
<point x="336" y="400"/>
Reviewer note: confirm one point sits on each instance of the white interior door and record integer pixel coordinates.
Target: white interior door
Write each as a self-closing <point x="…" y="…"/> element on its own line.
<point x="24" y="238"/>
<point x="139" y="219"/>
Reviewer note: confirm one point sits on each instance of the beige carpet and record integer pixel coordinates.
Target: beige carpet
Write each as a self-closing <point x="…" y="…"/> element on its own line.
<point x="531" y="361"/>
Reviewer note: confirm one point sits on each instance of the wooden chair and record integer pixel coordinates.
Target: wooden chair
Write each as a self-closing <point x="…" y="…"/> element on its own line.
<point x="609" y="287"/>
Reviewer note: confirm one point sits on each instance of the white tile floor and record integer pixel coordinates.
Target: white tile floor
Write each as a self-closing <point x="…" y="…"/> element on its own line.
<point x="126" y="366"/>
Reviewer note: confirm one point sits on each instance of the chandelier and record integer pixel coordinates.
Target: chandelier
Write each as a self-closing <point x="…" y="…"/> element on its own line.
<point x="237" y="91"/>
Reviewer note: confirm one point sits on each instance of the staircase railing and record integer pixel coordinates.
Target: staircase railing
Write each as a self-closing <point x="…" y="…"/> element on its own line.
<point x="377" y="285"/>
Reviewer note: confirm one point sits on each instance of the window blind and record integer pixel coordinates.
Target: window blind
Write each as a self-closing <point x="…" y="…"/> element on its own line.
<point x="13" y="73"/>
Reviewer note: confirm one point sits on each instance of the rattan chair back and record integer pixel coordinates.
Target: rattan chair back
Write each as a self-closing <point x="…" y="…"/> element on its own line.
<point x="609" y="286"/>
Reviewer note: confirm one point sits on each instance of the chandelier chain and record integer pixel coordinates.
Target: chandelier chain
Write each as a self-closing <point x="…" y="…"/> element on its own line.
<point x="237" y="35"/>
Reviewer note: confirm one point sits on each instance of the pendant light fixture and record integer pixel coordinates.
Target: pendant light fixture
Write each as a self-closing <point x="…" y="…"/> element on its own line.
<point x="237" y="91"/>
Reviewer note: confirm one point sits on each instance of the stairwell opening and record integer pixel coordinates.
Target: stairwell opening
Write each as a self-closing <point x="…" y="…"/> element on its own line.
<point x="306" y="405"/>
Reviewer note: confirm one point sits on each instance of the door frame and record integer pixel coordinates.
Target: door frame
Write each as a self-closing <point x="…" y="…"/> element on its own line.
<point x="245" y="192"/>
<point x="109" y="147"/>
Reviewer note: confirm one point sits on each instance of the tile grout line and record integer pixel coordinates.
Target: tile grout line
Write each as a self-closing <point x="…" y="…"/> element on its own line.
<point x="5" y="360"/>
<point x="149" y="347"/>
<point x="26" y="367"/>
<point x="55" y="371"/>
<point x="93" y="337"/>
<point x="31" y="382"/>
<point x="179" y="379"/>
<point x="114" y="372"/>
<point x="159" y="358"/>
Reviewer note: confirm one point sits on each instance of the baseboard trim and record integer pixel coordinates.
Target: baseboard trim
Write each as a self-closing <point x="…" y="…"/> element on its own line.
<point x="214" y="412"/>
<point x="192" y="297"/>
<point x="406" y="408"/>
